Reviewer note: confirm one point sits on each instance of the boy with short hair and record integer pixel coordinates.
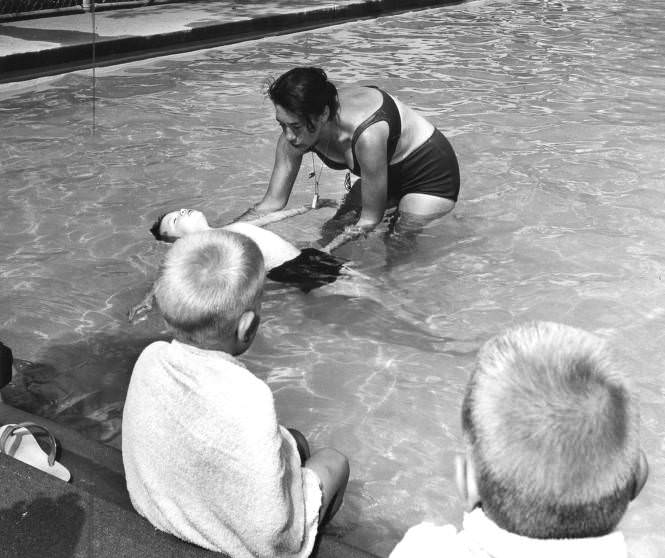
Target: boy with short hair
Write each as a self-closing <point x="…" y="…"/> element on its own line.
<point x="204" y="456"/>
<point x="552" y="451"/>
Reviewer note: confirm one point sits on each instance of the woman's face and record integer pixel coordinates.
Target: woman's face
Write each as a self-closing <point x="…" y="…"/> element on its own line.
<point x="182" y="222"/>
<point x="295" y="128"/>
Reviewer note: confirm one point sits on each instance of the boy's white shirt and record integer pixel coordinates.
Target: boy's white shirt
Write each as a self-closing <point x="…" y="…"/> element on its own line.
<point x="482" y="538"/>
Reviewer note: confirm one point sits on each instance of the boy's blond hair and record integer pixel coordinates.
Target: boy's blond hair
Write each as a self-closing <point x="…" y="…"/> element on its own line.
<point x="207" y="281"/>
<point x="554" y="432"/>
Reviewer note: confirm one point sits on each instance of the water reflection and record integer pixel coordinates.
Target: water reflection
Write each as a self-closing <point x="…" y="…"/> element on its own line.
<point x="554" y="110"/>
<point x="65" y="383"/>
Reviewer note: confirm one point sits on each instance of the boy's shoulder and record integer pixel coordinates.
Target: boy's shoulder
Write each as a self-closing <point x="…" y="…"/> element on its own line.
<point x="175" y="348"/>
<point x="156" y="346"/>
<point x="180" y="355"/>
<point x="152" y="352"/>
<point x="480" y="537"/>
<point x="427" y="540"/>
<point x="217" y="373"/>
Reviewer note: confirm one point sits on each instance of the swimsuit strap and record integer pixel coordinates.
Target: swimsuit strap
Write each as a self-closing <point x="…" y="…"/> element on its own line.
<point x="387" y="112"/>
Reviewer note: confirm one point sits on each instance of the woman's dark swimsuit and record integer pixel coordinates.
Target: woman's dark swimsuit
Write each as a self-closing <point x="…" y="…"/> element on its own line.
<point x="6" y="361"/>
<point x="310" y="270"/>
<point x="431" y="169"/>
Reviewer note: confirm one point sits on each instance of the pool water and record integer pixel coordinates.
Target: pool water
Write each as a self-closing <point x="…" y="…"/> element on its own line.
<point x="555" y="110"/>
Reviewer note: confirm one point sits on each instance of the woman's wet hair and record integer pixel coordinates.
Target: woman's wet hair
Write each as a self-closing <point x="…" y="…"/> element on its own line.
<point x="305" y="92"/>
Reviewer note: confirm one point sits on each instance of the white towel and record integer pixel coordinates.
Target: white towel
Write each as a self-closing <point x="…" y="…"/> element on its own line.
<point x="206" y="460"/>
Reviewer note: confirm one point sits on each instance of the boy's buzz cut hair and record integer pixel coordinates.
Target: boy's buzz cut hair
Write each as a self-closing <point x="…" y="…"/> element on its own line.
<point x="208" y="280"/>
<point x="554" y="432"/>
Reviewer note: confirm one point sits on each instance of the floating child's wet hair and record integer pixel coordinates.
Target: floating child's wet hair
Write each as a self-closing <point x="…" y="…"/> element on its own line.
<point x="553" y="427"/>
<point x="156" y="230"/>
<point x="305" y="92"/>
<point x="207" y="281"/>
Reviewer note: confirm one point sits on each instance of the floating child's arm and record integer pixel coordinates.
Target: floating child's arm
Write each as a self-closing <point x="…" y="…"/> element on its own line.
<point x="144" y="306"/>
<point x="281" y="215"/>
<point x="350" y="233"/>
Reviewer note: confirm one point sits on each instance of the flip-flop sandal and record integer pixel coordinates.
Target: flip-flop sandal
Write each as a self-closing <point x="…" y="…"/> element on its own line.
<point x="17" y="441"/>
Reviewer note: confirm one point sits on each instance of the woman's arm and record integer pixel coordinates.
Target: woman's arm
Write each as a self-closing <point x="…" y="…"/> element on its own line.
<point x="372" y="155"/>
<point x="284" y="173"/>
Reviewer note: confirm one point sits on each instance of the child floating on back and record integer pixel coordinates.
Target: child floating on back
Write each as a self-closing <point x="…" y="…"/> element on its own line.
<point x="308" y="268"/>
<point x="205" y="458"/>
<point x="552" y="452"/>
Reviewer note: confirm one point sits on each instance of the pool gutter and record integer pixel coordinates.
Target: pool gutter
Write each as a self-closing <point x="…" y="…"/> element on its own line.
<point x="108" y="50"/>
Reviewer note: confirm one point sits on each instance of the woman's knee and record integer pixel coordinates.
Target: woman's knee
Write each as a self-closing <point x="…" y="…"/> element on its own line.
<point x="425" y="205"/>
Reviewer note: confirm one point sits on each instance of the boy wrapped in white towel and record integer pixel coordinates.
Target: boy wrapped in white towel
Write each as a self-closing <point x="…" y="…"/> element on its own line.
<point x="204" y="455"/>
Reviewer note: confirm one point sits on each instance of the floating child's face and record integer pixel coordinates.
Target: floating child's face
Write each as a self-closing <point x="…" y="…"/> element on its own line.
<point x="183" y="222"/>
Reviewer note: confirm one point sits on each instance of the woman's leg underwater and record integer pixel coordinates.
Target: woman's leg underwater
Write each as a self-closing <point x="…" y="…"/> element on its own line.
<point x="347" y="214"/>
<point x="415" y="212"/>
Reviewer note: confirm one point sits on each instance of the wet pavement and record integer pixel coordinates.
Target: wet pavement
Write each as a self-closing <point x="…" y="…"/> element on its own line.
<point x="49" y="45"/>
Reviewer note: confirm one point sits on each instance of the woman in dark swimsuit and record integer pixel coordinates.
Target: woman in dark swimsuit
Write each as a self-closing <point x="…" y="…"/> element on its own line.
<point x="400" y="156"/>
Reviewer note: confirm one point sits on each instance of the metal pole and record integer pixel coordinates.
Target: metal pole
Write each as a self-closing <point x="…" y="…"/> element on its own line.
<point x="94" y="80"/>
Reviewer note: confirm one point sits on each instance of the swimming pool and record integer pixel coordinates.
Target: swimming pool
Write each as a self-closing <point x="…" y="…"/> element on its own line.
<point x="555" y="111"/>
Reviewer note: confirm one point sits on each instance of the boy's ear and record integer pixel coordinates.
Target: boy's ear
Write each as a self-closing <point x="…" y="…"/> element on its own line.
<point x="247" y="326"/>
<point x="465" y="477"/>
<point x="641" y="475"/>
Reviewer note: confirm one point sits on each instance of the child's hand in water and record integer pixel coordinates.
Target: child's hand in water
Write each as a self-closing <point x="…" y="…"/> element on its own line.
<point x="141" y="308"/>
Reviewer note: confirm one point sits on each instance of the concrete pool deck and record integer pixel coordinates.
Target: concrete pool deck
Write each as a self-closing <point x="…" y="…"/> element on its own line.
<point x="44" y="46"/>
<point x="92" y="515"/>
